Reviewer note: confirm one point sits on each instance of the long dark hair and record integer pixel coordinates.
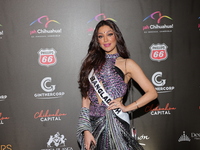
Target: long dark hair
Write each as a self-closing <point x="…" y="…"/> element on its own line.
<point x="95" y="57"/>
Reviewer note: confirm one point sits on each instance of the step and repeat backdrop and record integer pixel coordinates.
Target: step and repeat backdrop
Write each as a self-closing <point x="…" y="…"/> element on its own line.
<point x="42" y="45"/>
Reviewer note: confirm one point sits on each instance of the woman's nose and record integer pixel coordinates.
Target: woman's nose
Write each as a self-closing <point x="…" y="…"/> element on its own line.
<point x="105" y="39"/>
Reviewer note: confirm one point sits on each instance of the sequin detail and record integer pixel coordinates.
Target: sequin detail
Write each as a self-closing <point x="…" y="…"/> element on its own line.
<point x="112" y="82"/>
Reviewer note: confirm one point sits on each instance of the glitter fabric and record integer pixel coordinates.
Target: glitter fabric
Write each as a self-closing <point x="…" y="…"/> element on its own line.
<point x="83" y="124"/>
<point x="113" y="83"/>
<point x="109" y="131"/>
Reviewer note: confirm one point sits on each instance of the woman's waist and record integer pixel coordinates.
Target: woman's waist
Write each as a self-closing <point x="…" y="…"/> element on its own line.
<point x="97" y="110"/>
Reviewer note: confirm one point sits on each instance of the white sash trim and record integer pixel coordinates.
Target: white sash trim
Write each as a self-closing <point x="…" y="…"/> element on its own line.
<point x="105" y="96"/>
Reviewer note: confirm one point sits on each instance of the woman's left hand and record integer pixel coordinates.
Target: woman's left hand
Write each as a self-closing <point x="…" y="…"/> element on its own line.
<point x="116" y="103"/>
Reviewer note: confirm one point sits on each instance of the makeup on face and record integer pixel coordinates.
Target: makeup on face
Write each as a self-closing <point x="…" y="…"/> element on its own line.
<point x="106" y="39"/>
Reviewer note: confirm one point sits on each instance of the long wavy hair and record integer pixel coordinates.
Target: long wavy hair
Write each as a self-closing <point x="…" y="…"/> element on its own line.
<point x="95" y="57"/>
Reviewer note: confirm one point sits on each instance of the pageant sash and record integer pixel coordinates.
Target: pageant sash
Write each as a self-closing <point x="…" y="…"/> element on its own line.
<point x="105" y="96"/>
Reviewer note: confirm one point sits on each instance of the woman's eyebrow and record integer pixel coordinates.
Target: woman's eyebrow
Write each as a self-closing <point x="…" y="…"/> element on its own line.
<point x="105" y="32"/>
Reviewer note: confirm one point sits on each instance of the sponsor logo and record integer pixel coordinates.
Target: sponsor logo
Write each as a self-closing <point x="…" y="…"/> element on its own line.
<point x="1" y="32"/>
<point x="47" y="57"/>
<point x="6" y="147"/>
<point x="184" y="138"/>
<point x="139" y="138"/>
<point x="157" y="23"/>
<point x="45" y="27"/>
<point x="195" y="135"/>
<point x="143" y="138"/>
<point x="46" y="116"/>
<point x="96" y="19"/>
<point x="49" y="89"/>
<point x="157" y="110"/>
<point x="158" y="52"/>
<point x="57" y="142"/>
<point x="159" y="83"/>
<point x="2" y="118"/>
<point x="3" y="97"/>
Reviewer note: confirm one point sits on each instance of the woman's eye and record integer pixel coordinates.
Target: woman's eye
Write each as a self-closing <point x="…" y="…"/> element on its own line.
<point x="100" y="36"/>
<point x="110" y="34"/>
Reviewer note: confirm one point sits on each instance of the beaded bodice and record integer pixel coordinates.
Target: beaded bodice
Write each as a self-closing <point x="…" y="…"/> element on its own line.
<point x="112" y="82"/>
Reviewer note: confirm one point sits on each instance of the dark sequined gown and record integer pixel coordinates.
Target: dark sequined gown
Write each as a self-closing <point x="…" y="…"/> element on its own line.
<point x="110" y="132"/>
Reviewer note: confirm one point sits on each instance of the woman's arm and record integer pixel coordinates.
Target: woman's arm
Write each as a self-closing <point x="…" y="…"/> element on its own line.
<point x="86" y="102"/>
<point x="88" y="137"/>
<point x="135" y="72"/>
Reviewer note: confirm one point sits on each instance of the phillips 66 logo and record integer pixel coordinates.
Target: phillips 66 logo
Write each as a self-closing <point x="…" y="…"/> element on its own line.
<point x="47" y="57"/>
<point x="158" y="52"/>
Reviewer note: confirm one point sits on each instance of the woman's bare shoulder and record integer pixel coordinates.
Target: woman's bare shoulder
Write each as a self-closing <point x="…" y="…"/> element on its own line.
<point x="130" y="62"/>
<point x="132" y="66"/>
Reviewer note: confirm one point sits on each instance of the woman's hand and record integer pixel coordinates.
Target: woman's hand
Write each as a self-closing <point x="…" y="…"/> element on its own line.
<point x="116" y="103"/>
<point x="88" y="140"/>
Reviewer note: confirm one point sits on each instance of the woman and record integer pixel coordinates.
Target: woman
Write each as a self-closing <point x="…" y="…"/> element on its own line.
<point x="103" y="82"/>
